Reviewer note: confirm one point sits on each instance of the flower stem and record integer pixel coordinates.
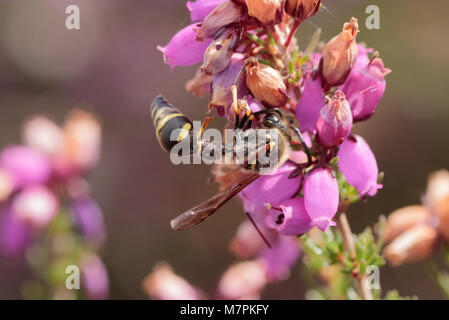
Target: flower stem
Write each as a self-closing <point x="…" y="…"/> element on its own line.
<point x="292" y="32"/>
<point x="349" y="244"/>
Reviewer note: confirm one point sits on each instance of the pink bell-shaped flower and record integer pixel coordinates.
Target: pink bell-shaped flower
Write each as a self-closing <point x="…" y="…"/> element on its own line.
<point x="364" y="89"/>
<point x="183" y="49"/>
<point x="321" y="197"/>
<point x="358" y="164"/>
<point x="335" y="121"/>
<point x="200" y="9"/>
<point x="310" y="104"/>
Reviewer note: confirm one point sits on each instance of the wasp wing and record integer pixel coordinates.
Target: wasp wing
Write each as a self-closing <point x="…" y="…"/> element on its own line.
<point x="202" y="211"/>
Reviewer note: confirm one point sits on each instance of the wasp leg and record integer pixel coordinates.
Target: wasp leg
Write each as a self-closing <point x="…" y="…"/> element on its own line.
<point x="304" y="145"/>
<point x="235" y="106"/>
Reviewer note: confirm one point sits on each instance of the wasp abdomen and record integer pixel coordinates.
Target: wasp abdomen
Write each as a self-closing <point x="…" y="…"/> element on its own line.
<point x="167" y="119"/>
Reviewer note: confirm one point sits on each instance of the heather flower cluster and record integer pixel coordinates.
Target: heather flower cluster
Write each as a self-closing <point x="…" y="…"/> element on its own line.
<point x="325" y="89"/>
<point x="45" y="207"/>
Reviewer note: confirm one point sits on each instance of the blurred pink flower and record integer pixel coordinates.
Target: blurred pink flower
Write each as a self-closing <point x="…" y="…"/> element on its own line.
<point x="25" y="166"/>
<point x="94" y="278"/>
<point x="243" y="281"/>
<point x="15" y="234"/>
<point x="279" y="259"/>
<point x="35" y="205"/>
<point x="89" y="219"/>
<point x="163" y="284"/>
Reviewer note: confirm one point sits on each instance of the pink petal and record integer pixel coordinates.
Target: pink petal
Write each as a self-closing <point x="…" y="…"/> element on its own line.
<point x="199" y="9"/>
<point x="359" y="166"/>
<point x="274" y="187"/>
<point x="321" y="197"/>
<point x="292" y="221"/>
<point x="310" y="104"/>
<point x="183" y="49"/>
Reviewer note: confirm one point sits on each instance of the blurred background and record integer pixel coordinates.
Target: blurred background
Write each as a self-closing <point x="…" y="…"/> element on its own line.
<point x="112" y="68"/>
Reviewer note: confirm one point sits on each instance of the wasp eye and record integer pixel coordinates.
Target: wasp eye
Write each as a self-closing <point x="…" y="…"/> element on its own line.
<point x="273" y="118"/>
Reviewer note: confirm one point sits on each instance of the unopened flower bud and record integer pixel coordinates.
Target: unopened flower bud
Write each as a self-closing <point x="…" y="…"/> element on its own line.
<point x="339" y="56"/>
<point x="415" y="244"/>
<point x="266" y="84"/>
<point x="218" y="55"/>
<point x="404" y="219"/>
<point x="266" y="11"/>
<point x="224" y="14"/>
<point x="302" y="9"/>
<point x="335" y="121"/>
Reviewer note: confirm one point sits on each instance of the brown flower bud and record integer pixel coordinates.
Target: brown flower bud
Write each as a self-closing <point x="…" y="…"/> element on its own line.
<point x="339" y="56"/>
<point x="266" y="11"/>
<point x="218" y="54"/>
<point x="405" y="218"/>
<point x="266" y="84"/>
<point x="199" y="85"/>
<point x="224" y="14"/>
<point x="437" y="188"/>
<point x="415" y="244"/>
<point x="302" y="9"/>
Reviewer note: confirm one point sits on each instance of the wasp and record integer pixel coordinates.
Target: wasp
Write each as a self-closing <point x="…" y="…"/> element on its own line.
<point x="167" y="118"/>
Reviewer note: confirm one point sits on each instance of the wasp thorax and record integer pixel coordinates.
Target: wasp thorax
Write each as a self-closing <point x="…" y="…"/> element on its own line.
<point x="266" y="11"/>
<point x="218" y="55"/>
<point x="302" y="9"/>
<point x="339" y="55"/>
<point x="266" y="84"/>
<point x="226" y="13"/>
